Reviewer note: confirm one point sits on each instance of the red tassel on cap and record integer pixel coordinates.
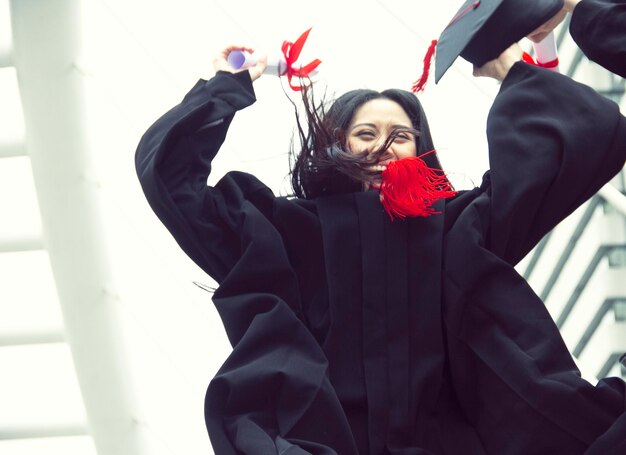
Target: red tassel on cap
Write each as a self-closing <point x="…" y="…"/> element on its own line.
<point x="409" y="187"/>
<point x="418" y="85"/>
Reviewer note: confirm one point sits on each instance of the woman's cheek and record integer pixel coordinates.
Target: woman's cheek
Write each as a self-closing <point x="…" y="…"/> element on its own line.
<point x="357" y="146"/>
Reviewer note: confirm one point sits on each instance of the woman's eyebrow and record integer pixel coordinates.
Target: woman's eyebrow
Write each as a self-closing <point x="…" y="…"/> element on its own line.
<point x="372" y="125"/>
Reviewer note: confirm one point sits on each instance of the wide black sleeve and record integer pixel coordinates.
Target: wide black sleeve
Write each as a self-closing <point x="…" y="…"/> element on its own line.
<point x="173" y="162"/>
<point x="272" y="395"/>
<point x="553" y="143"/>
<point x="599" y="29"/>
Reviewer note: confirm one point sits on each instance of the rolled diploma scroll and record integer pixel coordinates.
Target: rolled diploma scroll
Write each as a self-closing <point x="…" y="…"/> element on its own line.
<point x="545" y="51"/>
<point x="275" y="66"/>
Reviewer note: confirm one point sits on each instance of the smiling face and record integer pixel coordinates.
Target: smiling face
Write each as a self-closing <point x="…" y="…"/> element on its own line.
<point x="374" y="122"/>
<point x="343" y="139"/>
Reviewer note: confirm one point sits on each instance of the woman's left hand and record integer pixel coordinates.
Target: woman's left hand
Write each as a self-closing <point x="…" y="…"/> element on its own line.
<point x="220" y="61"/>
<point x="541" y="32"/>
<point x="498" y="68"/>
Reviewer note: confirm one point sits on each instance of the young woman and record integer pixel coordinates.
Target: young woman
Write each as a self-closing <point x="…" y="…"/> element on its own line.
<point x="355" y="334"/>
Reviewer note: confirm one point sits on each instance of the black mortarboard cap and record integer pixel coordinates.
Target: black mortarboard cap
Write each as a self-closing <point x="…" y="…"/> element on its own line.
<point x="482" y="29"/>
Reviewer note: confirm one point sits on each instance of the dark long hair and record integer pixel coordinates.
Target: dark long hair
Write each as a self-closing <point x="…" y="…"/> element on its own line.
<point x="324" y="164"/>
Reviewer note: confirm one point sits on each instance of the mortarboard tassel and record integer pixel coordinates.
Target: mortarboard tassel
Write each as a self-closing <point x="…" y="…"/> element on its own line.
<point x="418" y="85"/>
<point x="409" y="188"/>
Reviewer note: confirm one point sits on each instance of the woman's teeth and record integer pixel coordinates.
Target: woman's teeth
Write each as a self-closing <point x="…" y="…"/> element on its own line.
<point x="378" y="167"/>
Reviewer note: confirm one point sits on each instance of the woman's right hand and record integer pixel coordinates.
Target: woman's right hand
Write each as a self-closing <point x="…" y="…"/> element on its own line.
<point x="220" y="62"/>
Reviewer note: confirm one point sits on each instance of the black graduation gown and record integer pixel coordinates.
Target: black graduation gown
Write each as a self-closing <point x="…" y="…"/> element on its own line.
<point x="597" y="26"/>
<point x="354" y="334"/>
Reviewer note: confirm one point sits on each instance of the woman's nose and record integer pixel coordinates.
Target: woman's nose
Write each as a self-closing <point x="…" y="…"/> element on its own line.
<point x="389" y="154"/>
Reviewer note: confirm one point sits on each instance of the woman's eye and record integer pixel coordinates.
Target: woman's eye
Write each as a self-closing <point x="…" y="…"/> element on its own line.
<point x="365" y="134"/>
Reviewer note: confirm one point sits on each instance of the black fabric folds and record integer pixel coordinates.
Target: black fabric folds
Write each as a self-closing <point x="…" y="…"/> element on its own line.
<point x="353" y="334"/>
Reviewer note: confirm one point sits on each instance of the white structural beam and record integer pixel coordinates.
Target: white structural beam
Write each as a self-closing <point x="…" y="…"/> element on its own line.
<point x="21" y="339"/>
<point x="12" y="149"/>
<point x="14" y="245"/>
<point x="45" y="40"/>
<point x="6" y="58"/>
<point x="614" y="197"/>
<point x="42" y="431"/>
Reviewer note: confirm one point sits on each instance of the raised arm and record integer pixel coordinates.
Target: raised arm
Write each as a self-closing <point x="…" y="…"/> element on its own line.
<point x="599" y="29"/>
<point x="173" y="161"/>
<point x="553" y="143"/>
<point x="272" y="395"/>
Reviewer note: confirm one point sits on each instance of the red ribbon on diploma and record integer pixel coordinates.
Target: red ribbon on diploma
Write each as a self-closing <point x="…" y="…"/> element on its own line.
<point x="551" y="64"/>
<point x="291" y="51"/>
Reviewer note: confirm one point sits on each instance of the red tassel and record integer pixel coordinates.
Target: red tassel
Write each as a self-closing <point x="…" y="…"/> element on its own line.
<point x="418" y="85"/>
<point x="409" y="187"/>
